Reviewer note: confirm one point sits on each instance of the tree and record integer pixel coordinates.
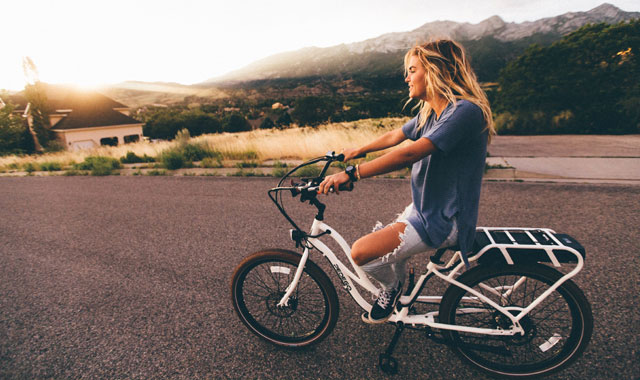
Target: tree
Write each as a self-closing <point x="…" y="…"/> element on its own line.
<point x="14" y="135"/>
<point x="162" y="124"/>
<point x="585" y="83"/>
<point x="198" y="123"/>
<point x="235" y="122"/>
<point x="267" y="123"/>
<point x="313" y="110"/>
<point x="284" y="120"/>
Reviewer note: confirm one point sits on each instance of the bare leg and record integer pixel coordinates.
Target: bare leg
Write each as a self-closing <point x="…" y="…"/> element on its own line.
<point x="377" y="244"/>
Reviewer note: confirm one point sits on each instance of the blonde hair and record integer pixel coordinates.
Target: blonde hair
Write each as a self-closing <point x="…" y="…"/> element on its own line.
<point x="449" y="74"/>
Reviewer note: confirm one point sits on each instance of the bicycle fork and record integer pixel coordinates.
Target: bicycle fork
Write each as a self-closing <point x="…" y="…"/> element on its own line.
<point x="284" y="301"/>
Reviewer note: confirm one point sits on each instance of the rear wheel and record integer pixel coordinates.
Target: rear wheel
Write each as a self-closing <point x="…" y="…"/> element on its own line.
<point x="260" y="282"/>
<point x="556" y="331"/>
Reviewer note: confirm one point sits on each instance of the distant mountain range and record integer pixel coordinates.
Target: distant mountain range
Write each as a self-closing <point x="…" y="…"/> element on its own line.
<point x="340" y="69"/>
<point x="492" y="39"/>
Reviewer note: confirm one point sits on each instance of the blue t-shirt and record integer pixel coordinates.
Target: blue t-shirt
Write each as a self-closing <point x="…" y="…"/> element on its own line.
<point x="446" y="184"/>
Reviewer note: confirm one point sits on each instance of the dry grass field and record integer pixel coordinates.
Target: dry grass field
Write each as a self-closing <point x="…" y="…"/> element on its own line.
<point x="300" y="143"/>
<point x="272" y="144"/>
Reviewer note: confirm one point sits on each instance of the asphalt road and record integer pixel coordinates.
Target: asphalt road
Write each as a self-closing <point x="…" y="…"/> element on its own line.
<point x="128" y="277"/>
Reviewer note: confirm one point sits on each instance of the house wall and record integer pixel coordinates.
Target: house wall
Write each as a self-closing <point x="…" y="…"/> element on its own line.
<point x="84" y="138"/>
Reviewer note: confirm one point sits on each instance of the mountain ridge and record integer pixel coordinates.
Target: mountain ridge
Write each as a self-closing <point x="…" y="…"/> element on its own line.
<point x="339" y="59"/>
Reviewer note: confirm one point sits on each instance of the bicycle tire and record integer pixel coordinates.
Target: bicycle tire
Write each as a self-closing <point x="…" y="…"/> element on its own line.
<point x="260" y="281"/>
<point x="557" y="331"/>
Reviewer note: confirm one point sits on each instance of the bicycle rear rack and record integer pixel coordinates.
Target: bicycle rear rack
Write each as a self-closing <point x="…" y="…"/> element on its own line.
<point x="526" y="244"/>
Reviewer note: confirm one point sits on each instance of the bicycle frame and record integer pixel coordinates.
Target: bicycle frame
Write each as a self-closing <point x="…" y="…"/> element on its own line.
<point x="348" y="277"/>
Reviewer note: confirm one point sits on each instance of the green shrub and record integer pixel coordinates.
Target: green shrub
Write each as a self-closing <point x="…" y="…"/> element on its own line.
<point x="246" y="164"/>
<point x="156" y="172"/>
<point x="211" y="162"/>
<point x="279" y="169"/>
<point x="30" y="167"/>
<point x="184" y="154"/>
<point x="74" y="172"/>
<point x="172" y="159"/>
<point x="243" y="173"/>
<point x="101" y="169"/>
<point x="91" y="161"/>
<point x="51" y="166"/>
<point x="279" y="164"/>
<point x="99" y="165"/>
<point x="198" y="152"/>
<point x="132" y="158"/>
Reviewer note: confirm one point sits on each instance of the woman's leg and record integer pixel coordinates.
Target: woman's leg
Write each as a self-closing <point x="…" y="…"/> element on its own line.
<point x="382" y="254"/>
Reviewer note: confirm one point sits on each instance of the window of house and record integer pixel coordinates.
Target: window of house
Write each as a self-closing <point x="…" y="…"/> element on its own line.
<point x="131" y="139"/>
<point x="111" y="141"/>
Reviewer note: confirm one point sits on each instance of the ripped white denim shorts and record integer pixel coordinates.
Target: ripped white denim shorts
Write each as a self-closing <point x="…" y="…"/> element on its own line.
<point x="389" y="269"/>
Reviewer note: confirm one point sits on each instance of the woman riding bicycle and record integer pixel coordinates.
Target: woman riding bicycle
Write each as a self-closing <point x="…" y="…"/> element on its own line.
<point x="448" y="153"/>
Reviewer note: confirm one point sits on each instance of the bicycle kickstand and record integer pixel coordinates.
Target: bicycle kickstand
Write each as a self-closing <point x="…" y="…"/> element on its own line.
<point x="387" y="363"/>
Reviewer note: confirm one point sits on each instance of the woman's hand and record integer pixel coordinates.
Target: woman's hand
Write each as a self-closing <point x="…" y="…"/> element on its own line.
<point x="333" y="181"/>
<point x="350" y="154"/>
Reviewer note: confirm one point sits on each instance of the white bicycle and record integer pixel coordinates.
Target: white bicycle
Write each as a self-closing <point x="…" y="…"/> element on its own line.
<point x="512" y="314"/>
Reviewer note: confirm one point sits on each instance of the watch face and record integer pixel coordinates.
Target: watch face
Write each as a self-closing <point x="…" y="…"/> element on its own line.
<point x="351" y="172"/>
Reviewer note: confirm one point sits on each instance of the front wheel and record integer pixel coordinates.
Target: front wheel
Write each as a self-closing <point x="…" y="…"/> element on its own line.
<point x="556" y="332"/>
<point x="260" y="282"/>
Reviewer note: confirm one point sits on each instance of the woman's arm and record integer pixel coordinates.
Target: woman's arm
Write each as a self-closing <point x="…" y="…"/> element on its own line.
<point x="394" y="160"/>
<point x="397" y="159"/>
<point x="389" y="139"/>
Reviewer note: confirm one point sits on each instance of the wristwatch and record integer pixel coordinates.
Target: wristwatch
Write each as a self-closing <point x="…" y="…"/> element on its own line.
<point x="351" y="172"/>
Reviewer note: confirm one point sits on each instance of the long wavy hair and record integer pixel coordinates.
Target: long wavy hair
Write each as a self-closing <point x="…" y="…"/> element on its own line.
<point x="448" y="74"/>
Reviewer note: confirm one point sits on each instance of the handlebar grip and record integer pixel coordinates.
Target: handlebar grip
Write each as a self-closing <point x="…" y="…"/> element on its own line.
<point x="347" y="186"/>
<point x="340" y="157"/>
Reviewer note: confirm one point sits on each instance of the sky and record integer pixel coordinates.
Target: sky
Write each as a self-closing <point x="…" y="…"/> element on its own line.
<point x="89" y="42"/>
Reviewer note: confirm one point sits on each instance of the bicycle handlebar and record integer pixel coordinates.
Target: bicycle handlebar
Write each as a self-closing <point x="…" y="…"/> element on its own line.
<point x="308" y="190"/>
<point x="295" y="190"/>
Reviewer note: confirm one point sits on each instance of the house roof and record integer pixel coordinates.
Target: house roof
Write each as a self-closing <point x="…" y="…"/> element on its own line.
<point x="88" y="108"/>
